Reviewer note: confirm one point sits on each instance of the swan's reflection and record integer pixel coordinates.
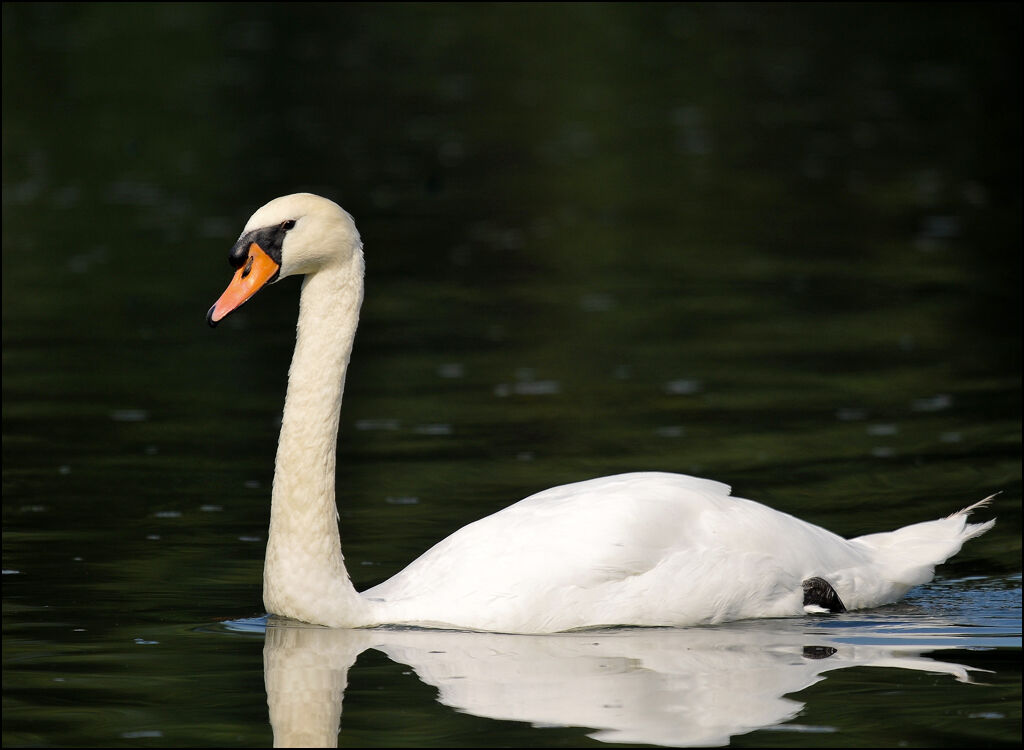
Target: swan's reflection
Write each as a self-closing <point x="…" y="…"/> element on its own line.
<point x="680" y="687"/>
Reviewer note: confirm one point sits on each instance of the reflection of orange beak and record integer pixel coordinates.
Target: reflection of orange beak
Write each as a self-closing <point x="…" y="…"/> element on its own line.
<point x="258" y="269"/>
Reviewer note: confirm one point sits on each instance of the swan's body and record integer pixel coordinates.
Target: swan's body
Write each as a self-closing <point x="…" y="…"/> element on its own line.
<point x="634" y="549"/>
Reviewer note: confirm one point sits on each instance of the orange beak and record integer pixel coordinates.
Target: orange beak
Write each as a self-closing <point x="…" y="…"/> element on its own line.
<point x="253" y="275"/>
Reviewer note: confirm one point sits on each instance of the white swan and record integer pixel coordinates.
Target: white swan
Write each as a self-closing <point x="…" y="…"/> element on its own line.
<point x="634" y="549"/>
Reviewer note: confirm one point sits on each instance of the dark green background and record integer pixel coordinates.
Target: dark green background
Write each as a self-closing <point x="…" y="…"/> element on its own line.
<point x="779" y="246"/>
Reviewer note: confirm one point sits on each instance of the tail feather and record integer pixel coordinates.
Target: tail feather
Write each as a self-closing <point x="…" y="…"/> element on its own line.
<point x="980" y="504"/>
<point x="972" y="530"/>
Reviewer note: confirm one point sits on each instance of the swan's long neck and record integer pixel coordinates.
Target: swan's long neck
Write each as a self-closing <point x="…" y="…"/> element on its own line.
<point x="304" y="575"/>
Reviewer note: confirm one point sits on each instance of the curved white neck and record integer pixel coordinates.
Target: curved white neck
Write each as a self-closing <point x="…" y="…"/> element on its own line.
<point x="304" y="574"/>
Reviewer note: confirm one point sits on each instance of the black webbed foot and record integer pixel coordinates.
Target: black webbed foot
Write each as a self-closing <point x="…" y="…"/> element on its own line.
<point x="819" y="593"/>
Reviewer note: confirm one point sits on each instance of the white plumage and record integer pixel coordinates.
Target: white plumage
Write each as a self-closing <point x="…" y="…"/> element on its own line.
<point x="633" y="549"/>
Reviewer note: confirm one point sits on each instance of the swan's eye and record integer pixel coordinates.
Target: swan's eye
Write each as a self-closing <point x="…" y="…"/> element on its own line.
<point x="290" y="224"/>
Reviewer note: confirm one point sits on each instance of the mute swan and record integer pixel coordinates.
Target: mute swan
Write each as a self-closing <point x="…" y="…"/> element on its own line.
<point x="635" y="549"/>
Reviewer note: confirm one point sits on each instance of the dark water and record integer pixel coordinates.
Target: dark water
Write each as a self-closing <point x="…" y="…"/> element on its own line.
<point x="776" y="246"/>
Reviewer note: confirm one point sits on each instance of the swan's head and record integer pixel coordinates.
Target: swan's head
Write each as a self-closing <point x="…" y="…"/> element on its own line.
<point x="291" y="235"/>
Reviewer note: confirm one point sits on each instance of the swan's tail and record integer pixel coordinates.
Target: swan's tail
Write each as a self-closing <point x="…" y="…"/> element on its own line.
<point x="908" y="556"/>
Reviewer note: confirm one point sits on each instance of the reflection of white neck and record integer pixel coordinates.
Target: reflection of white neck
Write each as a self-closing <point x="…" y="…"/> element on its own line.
<point x="304" y="574"/>
<point x="305" y="671"/>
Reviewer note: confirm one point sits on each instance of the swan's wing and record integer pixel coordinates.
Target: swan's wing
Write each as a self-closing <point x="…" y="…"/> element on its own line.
<point x="611" y="551"/>
<point x="586" y="533"/>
